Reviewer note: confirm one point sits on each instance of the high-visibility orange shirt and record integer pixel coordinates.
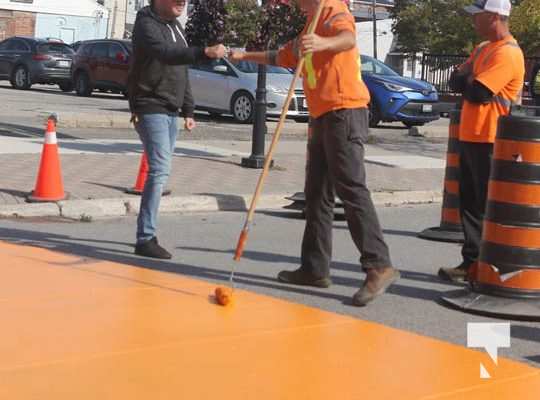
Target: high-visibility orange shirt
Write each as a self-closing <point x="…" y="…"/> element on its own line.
<point x="499" y="66"/>
<point x="331" y="81"/>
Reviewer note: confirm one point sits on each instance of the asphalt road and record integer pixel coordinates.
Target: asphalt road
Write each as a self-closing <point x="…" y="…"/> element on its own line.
<point x="21" y="115"/>
<point x="203" y="245"/>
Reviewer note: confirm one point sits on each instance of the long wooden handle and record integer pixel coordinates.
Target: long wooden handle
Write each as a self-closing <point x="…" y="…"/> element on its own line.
<point x="275" y="139"/>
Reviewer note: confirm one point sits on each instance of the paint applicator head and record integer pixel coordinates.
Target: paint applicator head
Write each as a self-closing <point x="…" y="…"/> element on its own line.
<point x="224" y="295"/>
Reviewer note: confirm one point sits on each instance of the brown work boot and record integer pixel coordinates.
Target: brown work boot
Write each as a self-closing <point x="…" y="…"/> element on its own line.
<point x="457" y="274"/>
<point x="375" y="284"/>
<point x="301" y="277"/>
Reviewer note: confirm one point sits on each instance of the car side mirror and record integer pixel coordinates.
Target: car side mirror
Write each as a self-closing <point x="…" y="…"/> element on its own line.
<point x="121" y="57"/>
<point x="221" y="69"/>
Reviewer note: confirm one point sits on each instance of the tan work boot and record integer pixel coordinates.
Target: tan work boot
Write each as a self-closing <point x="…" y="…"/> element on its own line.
<point x="457" y="274"/>
<point x="376" y="283"/>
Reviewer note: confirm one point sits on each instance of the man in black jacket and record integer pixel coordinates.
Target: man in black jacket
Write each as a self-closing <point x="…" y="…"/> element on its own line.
<point x="158" y="88"/>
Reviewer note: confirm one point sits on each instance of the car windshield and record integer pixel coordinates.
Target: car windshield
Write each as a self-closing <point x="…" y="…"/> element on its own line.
<point x="55" y="48"/>
<point x="249" y="67"/>
<point x="373" y="66"/>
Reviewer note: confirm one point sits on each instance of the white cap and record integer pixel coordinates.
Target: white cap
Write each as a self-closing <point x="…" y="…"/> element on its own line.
<point x="501" y="7"/>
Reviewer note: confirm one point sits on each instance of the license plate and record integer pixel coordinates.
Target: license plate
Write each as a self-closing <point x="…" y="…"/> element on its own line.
<point x="427" y="108"/>
<point x="64" y="64"/>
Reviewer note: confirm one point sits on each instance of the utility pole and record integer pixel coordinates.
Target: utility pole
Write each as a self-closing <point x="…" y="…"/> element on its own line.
<point x="374" y="12"/>
<point x="256" y="159"/>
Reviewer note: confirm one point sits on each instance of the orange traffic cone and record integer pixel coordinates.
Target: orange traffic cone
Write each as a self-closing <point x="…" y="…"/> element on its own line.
<point x="49" y="184"/>
<point x="141" y="178"/>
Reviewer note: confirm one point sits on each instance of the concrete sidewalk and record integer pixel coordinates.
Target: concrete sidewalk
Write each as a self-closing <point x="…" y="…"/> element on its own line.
<point x="205" y="176"/>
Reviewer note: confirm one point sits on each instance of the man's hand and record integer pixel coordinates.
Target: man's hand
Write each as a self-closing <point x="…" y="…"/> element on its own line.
<point x="313" y="43"/>
<point x="217" y="51"/>
<point x="189" y="124"/>
<point x="236" y="56"/>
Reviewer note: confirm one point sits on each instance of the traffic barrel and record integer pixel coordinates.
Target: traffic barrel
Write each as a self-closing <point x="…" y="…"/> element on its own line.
<point x="506" y="279"/>
<point x="450" y="228"/>
<point x="141" y="178"/>
<point x="49" y="183"/>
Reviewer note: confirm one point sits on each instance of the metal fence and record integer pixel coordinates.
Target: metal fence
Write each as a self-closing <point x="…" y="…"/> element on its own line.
<point x="436" y="69"/>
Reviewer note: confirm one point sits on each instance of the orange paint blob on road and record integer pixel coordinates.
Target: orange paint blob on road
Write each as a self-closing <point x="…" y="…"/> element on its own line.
<point x="76" y="328"/>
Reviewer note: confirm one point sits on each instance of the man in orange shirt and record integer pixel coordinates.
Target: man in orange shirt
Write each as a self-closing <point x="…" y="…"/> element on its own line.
<point x="337" y="100"/>
<point x="491" y="80"/>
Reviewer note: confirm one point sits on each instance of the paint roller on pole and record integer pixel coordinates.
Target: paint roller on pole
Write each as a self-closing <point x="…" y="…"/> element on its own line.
<point x="224" y="295"/>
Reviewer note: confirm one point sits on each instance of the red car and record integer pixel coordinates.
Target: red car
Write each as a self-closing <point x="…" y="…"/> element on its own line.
<point x="101" y="65"/>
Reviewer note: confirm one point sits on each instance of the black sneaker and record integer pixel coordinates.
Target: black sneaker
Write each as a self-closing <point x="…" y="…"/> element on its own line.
<point x="152" y="249"/>
<point x="456" y="275"/>
<point x="300" y="277"/>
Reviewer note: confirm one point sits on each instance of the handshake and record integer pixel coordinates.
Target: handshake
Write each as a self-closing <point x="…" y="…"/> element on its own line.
<point x="220" y="51"/>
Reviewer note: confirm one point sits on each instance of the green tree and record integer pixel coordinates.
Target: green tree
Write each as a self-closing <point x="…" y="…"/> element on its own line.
<point x="525" y="25"/>
<point x="439" y="26"/>
<point x="241" y="22"/>
<point x="279" y="22"/>
<point x="434" y="26"/>
<point x="206" y="24"/>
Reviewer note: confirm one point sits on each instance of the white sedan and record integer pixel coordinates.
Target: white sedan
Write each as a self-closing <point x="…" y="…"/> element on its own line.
<point x="222" y="87"/>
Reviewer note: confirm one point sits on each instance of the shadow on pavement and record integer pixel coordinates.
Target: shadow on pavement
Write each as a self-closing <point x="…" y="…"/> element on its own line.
<point x="25" y="131"/>
<point x="90" y="248"/>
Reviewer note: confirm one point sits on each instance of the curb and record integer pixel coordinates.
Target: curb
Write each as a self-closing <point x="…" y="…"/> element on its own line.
<point x="88" y="210"/>
<point x="105" y="119"/>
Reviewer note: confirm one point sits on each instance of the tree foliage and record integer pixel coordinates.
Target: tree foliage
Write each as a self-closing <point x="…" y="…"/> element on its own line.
<point x="242" y="23"/>
<point x="434" y="26"/>
<point x="279" y="22"/>
<point x="206" y="25"/>
<point x="525" y="25"/>
<point x="440" y="26"/>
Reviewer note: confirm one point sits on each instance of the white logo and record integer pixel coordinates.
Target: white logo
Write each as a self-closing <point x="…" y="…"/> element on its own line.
<point x="489" y="336"/>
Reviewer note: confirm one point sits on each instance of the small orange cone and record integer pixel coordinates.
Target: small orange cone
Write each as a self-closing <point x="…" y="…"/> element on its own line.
<point x="49" y="184"/>
<point x="141" y="178"/>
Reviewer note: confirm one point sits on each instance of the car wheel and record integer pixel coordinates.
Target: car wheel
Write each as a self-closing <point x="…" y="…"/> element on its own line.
<point x="66" y="86"/>
<point x="243" y="107"/>
<point x="21" y="78"/>
<point x="374" y="115"/>
<point x="82" y="84"/>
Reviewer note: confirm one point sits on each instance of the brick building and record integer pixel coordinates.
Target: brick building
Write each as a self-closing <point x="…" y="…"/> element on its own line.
<point x="66" y="20"/>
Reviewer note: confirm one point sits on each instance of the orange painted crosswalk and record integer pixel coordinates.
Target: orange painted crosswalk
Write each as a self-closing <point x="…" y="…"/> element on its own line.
<point x="74" y="328"/>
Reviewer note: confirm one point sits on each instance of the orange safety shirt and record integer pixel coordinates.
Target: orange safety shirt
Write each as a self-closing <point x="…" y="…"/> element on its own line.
<point x="331" y="81"/>
<point x="499" y="66"/>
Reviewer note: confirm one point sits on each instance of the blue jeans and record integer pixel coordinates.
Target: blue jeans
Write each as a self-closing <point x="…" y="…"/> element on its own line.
<point x="158" y="134"/>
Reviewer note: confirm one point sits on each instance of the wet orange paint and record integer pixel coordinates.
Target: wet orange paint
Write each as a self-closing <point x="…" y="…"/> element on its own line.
<point x="83" y="329"/>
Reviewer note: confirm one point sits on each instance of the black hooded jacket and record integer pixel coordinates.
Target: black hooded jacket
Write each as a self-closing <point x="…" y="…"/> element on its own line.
<point x="158" y="77"/>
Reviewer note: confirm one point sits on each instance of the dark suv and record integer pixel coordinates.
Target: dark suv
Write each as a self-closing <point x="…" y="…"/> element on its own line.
<point x="25" y="61"/>
<point x="101" y="65"/>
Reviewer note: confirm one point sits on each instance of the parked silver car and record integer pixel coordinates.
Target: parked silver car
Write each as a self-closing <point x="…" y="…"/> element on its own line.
<point x="222" y="87"/>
